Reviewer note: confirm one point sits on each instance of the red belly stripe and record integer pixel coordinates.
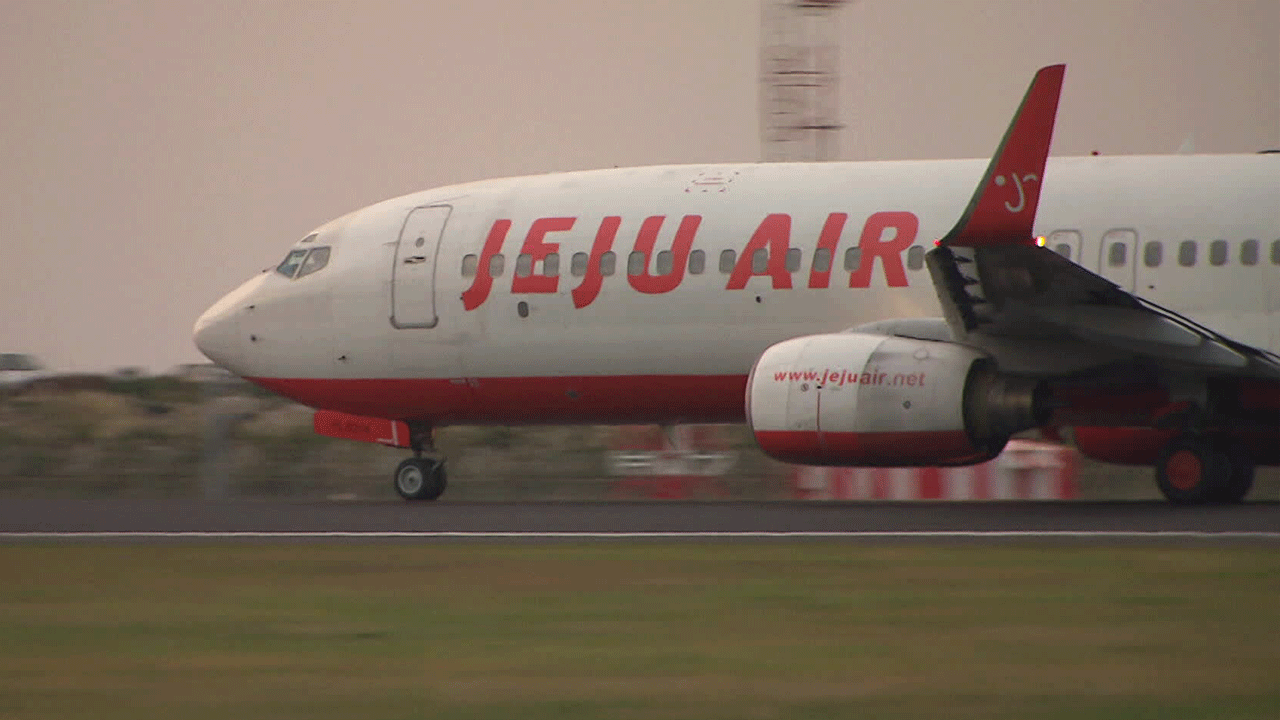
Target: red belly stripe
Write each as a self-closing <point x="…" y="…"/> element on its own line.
<point x="621" y="399"/>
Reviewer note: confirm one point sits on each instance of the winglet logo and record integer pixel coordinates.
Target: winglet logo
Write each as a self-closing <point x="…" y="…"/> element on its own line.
<point x="1001" y="181"/>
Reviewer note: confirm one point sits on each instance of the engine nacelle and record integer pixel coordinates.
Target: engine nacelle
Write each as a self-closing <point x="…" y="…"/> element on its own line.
<point x="874" y="400"/>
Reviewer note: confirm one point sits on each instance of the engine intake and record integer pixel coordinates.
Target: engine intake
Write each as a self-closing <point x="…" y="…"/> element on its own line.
<point x="874" y="400"/>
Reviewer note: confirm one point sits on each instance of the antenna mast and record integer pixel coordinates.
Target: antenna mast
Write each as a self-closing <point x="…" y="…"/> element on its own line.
<point x="799" y="80"/>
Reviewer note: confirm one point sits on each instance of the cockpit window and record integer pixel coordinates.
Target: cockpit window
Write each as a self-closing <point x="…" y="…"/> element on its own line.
<point x="316" y="260"/>
<point x="289" y="266"/>
<point x="303" y="262"/>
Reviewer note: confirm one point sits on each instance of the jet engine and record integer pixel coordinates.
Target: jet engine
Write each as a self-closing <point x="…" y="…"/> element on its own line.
<point x="875" y="400"/>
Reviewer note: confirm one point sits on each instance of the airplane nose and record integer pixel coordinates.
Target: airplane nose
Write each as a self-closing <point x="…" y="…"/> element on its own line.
<point x="216" y="336"/>
<point x="217" y="332"/>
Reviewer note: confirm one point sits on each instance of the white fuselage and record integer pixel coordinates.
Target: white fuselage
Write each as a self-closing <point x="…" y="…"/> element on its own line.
<point x="392" y="328"/>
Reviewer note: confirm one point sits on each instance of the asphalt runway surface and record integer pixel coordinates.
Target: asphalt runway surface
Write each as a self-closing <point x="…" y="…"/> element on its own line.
<point x="140" y="519"/>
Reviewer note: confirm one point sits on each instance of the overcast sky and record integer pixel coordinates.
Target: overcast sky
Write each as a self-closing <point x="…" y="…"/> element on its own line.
<point x="155" y="154"/>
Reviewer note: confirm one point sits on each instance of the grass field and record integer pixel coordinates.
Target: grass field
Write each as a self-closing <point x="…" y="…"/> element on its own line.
<point x="639" y="631"/>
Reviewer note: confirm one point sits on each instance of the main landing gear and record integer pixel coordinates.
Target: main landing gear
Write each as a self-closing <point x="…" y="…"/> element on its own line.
<point x="418" y="477"/>
<point x="1194" y="470"/>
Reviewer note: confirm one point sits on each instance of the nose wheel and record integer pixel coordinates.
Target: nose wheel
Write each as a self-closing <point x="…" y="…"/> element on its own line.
<point x="420" y="478"/>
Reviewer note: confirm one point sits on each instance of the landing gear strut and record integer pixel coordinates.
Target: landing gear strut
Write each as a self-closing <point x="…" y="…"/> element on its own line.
<point x="418" y="477"/>
<point x="1197" y="470"/>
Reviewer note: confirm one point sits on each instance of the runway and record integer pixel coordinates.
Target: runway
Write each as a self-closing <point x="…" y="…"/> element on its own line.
<point x="28" y="519"/>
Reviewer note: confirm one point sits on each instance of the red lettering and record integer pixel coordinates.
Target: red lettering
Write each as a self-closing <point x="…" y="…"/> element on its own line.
<point x="648" y="235"/>
<point x="474" y="296"/>
<point x="839" y="377"/>
<point x="586" y="293"/>
<point x="537" y="250"/>
<point x="774" y="236"/>
<point x="889" y="251"/>
<point x="830" y="237"/>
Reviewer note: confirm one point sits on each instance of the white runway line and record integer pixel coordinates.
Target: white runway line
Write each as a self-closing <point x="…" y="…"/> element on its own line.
<point x="744" y="535"/>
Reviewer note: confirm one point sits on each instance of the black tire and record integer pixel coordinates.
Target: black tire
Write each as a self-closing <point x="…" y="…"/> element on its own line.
<point x="420" y="479"/>
<point x="1240" y="480"/>
<point x="439" y="481"/>
<point x="1193" y="471"/>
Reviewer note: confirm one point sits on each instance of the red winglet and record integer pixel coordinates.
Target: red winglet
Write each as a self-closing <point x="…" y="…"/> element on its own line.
<point x="1003" y="207"/>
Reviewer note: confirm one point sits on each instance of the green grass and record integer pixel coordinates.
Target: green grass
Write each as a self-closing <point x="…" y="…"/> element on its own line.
<point x="638" y="631"/>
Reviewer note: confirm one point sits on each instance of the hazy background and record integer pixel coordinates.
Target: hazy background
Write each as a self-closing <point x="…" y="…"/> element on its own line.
<point x="155" y="154"/>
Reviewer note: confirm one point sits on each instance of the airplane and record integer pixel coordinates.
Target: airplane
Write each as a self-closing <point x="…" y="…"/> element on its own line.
<point x="840" y="309"/>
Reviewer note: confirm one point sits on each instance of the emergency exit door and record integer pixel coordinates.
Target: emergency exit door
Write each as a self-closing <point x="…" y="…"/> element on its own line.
<point x="413" y="277"/>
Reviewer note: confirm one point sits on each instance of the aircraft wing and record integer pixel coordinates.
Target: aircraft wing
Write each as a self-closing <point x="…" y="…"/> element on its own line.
<point x="996" y="285"/>
<point x="994" y="294"/>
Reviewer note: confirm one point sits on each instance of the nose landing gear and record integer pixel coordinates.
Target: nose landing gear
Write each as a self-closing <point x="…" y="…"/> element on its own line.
<point x="418" y="477"/>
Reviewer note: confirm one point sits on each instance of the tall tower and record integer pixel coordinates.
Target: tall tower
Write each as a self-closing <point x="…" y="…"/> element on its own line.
<point x="800" y="80"/>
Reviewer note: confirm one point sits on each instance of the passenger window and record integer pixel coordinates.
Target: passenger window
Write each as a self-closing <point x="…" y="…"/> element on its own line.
<point x="852" y="258"/>
<point x="1153" y="254"/>
<point x="915" y="257"/>
<point x="469" y="264"/>
<point x="1249" y="252"/>
<point x="664" y="262"/>
<point x="635" y="263"/>
<point x="1187" y="253"/>
<point x="793" y="259"/>
<point x="1117" y="254"/>
<point x="578" y="264"/>
<point x="608" y="263"/>
<point x="697" y="262"/>
<point x="1062" y="241"/>
<point x="316" y="260"/>
<point x="1275" y="252"/>
<point x="822" y="260"/>
<point x="497" y="264"/>
<point x="1218" y="253"/>
<point x="551" y="265"/>
<point x="289" y="266"/>
<point x="728" y="259"/>
<point x="524" y="265"/>
<point x="759" y="261"/>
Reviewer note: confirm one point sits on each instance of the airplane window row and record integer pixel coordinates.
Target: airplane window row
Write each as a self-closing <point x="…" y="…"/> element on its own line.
<point x="664" y="262"/>
<point x="1219" y="253"/>
<point x="302" y="262"/>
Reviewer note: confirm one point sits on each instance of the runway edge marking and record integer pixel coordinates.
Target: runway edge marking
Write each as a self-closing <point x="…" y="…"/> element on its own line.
<point x="571" y="535"/>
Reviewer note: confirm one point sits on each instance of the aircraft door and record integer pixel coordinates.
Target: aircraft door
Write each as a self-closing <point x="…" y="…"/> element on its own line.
<point x="1118" y="257"/>
<point x="413" y="297"/>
